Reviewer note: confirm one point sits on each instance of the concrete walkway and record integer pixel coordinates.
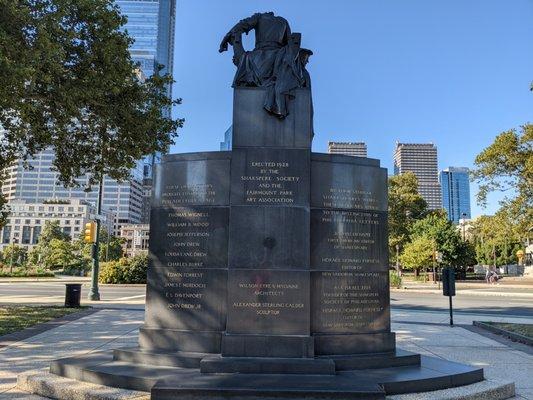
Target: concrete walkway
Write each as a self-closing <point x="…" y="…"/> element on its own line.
<point x="422" y="332"/>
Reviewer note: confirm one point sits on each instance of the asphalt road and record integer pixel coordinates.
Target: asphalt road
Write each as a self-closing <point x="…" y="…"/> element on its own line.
<point x="133" y="297"/>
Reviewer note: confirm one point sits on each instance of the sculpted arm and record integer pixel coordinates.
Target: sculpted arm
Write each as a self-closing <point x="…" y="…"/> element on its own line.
<point x="243" y="26"/>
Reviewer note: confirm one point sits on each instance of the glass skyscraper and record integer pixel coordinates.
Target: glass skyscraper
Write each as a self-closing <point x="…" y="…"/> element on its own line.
<point x="455" y="185"/>
<point x="151" y="23"/>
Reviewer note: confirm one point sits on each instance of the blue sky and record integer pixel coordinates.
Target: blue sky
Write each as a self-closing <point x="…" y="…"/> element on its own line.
<point x="453" y="72"/>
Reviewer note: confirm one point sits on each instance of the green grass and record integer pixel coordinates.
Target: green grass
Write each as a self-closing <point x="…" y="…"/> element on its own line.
<point x="521" y="329"/>
<point x="17" y="318"/>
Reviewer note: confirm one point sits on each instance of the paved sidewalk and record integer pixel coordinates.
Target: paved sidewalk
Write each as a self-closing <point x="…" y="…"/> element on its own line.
<point x="422" y="332"/>
<point x="515" y="288"/>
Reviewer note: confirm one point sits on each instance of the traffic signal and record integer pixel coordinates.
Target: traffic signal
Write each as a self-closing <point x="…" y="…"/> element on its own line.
<point x="90" y="232"/>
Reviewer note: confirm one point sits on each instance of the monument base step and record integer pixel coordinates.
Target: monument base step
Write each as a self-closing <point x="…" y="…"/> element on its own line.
<point x="282" y="346"/>
<point x="166" y="382"/>
<point x="138" y="355"/>
<point x="264" y="365"/>
<point x="397" y="358"/>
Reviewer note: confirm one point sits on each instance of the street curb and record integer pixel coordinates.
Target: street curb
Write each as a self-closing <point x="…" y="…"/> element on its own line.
<point x="468" y="292"/>
<point x="511" y="335"/>
<point x="11" y="338"/>
<point x="56" y="387"/>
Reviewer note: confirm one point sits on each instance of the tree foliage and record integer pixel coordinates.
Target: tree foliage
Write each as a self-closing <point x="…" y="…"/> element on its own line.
<point x="69" y="83"/>
<point x="507" y="166"/>
<point x="445" y="238"/>
<point x="14" y="254"/>
<point x="496" y="238"/>
<point x="58" y="254"/>
<point x="51" y="231"/>
<point x="405" y="207"/>
<point x="418" y="253"/>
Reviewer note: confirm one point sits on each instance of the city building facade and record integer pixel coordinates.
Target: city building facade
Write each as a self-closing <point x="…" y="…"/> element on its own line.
<point x="420" y="159"/>
<point x="356" y="149"/>
<point x="40" y="184"/>
<point x="136" y="238"/>
<point x="455" y="185"/>
<point x="151" y="23"/>
<point x="27" y="220"/>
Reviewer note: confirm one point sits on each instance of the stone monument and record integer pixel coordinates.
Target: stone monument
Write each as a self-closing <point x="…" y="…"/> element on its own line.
<point x="268" y="272"/>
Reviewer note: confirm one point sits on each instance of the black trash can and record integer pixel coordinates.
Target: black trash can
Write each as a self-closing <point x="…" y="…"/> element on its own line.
<point x="73" y="295"/>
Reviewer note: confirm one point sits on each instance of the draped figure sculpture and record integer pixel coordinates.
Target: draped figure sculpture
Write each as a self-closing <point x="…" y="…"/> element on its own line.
<point x="277" y="62"/>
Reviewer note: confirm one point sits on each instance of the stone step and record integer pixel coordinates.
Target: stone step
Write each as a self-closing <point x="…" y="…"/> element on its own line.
<point x="56" y="387"/>
<point x="173" y="382"/>
<point x="263" y="365"/>
<point x="398" y="358"/>
<point x="99" y="368"/>
<point x="168" y="359"/>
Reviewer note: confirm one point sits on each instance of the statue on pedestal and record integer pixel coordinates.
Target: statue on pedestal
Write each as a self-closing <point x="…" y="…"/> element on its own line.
<point x="277" y="62"/>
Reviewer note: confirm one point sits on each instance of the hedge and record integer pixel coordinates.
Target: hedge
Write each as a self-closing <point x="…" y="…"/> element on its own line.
<point x="125" y="270"/>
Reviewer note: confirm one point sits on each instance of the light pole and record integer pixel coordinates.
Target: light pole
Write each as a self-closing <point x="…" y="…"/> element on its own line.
<point x="15" y="241"/>
<point x="398" y="259"/>
<point x="94" y="294"/>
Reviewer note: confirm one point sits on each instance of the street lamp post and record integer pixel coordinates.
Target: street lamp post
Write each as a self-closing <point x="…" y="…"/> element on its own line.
<point x="94" y="294"/>
<point x="398" y="259"/>
<point x="15" y="241"/>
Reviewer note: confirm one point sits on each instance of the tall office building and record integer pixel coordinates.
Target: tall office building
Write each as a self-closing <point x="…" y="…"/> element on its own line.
<point x="421" y="159"/>
<point x="227" y="143"/>
<point x="455" y="184"/>
<point x="40" y="184"/>
<point x="356" y="149"/>
<point x="151" y="23"/>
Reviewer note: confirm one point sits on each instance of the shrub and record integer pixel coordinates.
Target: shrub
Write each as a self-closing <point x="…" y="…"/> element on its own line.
<point x="126" y="270"/>
<point x="111" y="272"/>
<point x="136" y="269"/>
<point x="80" y="268"/>
<point x="395" y="280"/>
<point x="25" y="273"/>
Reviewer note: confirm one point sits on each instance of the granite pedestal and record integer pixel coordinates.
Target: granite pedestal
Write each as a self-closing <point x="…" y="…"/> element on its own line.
<point x="268" y="275"/>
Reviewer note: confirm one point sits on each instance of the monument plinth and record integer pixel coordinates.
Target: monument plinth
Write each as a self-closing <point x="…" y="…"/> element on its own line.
<point x="268" y="269"/>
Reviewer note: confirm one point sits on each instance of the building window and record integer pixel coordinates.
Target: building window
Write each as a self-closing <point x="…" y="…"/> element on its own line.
<point x="26" y="234"/>
<point x="6" y="234"/>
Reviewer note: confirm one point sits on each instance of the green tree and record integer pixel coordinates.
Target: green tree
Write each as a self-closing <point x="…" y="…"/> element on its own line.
<point x="69" y="83"/>
<point x="496" y="238"/>
<point x="51" y="231"/>
<point x="445" y="238"/>
<point x="405" y="207"/>
<point x="58" y="254"/>
<point x="14" y="255"/>
<point x="507" y="166"/>
<point x="417" y="254"/>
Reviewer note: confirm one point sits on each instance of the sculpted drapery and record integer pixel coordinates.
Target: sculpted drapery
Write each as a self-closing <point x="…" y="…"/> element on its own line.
<point x="277" y="62"/>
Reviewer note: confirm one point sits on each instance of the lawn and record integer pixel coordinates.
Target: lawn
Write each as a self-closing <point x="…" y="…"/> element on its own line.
<point x="521" y="329"/>
<point x="17" y="318"/>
